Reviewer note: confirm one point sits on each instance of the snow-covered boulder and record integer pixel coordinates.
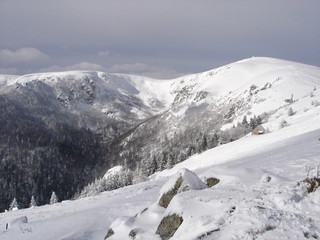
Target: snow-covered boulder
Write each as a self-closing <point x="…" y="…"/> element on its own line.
<point x="183" y="181"/>
<point x="141" y="226"/>
<point x="312" y="184"/>
<point x="17" y="222"/>
<point x="154" y="221"/>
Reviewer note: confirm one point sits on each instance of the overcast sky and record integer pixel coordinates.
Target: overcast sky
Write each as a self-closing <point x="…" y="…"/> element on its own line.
<point x="161" y="38"/>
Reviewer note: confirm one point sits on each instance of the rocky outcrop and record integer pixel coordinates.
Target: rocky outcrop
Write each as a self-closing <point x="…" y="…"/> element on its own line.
<point x="212" y="181"/>
<point x="183" y="181"/>
<point x="168" y="226"/>
<point x="312" y="184"/>
<point x="167" y="197"/>
<point x="109" y="233"/>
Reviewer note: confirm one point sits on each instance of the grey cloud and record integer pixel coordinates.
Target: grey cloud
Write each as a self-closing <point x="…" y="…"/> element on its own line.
<point x="9" y="71"/>
<point x="104" y="53"/>
<point x="185" y="35"/>
<point x="136" y="69"/>
<point x="22" y="55"/>
<point x="80" y="66"/>
<point x="145" y="70"/>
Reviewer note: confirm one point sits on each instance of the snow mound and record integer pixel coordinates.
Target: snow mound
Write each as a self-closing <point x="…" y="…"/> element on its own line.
<point x="142" y="226"/>
<point x="190" y="181"/>
<point x="16" y="223"/>
<point x="114" y="171"/>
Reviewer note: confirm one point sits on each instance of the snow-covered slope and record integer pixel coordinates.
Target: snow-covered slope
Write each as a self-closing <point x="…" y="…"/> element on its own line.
<point x="208" y="103"/>
<point x="248" y="87"/>
<point x="244" y="205"/>
<point x="251" y="86"/>
<point x="258" y="196"/>
<point x="91" y="93"/>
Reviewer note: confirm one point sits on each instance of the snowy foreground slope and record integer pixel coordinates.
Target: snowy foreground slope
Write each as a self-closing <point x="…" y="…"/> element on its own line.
<point x="257" y="198"/>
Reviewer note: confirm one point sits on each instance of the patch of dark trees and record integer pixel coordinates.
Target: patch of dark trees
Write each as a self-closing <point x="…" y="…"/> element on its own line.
<point x="36" y="160"/>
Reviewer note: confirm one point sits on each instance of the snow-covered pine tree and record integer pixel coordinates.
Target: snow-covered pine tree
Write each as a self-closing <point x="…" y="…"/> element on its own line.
<point x="259" y="120"/>
<point x="244" y="120"/>
<point x="253" y="123"/>
<point x="14" y="205"/>
<point x="54" y="198"/>
<point x="214" y="141"/>
<point x="203" y="143"/>
<point x="33" y="202"/>
<point x="290" y="112"/>
<point x="283" y="124"/>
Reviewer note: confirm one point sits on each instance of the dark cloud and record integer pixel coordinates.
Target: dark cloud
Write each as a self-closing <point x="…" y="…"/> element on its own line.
<point x="185" y="35"/>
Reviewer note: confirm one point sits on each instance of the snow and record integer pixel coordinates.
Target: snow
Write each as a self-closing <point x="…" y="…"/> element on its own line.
<point x="190" y="181"/>
<point x="87" y="218"/>
<point x="145" y="222"/>
<point x="18" y="222"/>
<point x="82" y="91"/>
<point x="114" y="171"/>
<point x="152" y="90"/>
<point x="277" y="209"/>
<point x="4" y="79"/>
<point x="258" y="196"/>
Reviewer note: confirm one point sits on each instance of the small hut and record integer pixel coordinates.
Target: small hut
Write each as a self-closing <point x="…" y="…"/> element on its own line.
<point x="258" y="130"/>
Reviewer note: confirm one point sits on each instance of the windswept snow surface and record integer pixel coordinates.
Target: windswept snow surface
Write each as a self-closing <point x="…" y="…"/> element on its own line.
<point x="258" y="196"/>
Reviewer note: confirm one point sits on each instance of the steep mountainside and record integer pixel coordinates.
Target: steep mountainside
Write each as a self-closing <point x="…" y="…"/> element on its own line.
<point x="60" y="131"/>
<point x="261" y="194"/>
<point x="209" y="109"/>
<point x="57" y="129"/>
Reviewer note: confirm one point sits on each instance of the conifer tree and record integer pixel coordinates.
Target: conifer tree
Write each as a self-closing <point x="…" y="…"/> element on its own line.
<point x="253" y="123"/>
<point x="290" y="112"/>
<point x="33" y="202"/>
<point x="214" y="140"/>
<point x="54" y="198"/>
<point x="204" y="143"/>
<point x="14" y="205"/>
<point x="244" y="120"/>
<point x="259" y="120"/>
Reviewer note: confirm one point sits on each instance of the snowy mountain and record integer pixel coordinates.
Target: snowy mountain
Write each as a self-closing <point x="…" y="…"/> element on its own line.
<point x="57" y="129"/>
<point x="260" y="194"/>
<point x="63" y="131"/>
<point x="211" y="105"/>
<point x="92" y="95"/>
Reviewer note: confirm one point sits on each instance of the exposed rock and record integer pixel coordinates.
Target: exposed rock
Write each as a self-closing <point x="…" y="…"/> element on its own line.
<point x="168" y="226"/>
<point x="313" y="184"/>
<point x="200" y="95"/>
<point x="133" y="233"/>
<point x="205" y="235"/>
<point x="266" y="178"/>
<point x="167" y="197"/>
<point x="183" y="181"/>
<point x="109" y="233"/>
<point x="212" y="181"/>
